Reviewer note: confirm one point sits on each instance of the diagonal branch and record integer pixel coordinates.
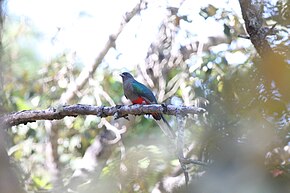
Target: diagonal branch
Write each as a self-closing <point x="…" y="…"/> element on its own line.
<point x="84" y="76"/>
<point x="252" y="16"/>
<point x="273" y="65"/>
<point x="24" y="117"/>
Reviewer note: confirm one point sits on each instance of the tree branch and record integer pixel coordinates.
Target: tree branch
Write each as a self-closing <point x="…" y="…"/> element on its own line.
<point x="93" y="161"/>
<point x="94" y="154"/>
<point x="273" y="65"/>
<point x="26" y="116"/>
<point x="252" y="15"/>
<point x="87" y="72"/>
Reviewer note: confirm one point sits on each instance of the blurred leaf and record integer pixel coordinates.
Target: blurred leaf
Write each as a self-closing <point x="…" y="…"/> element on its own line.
<point x="208" y="11"/>
<point x="21" y="103"/>
<point x="227" y="30"/>
<point x="41" y="183"/>
<point x="144" y="163"/>
<point x="31" y="133"/>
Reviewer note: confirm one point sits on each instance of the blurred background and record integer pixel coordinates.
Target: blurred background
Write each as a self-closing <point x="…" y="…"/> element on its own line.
<point x="188" y="53"/>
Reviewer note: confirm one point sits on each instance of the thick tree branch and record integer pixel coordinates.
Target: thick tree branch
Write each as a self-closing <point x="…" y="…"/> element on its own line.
<point x="102" y="149"/>
<point x="26" y="116"/>
<point x="273" y="65"/>
<point x="252" y="14"/>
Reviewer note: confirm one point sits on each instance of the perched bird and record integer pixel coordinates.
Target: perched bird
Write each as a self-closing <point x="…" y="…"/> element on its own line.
<point x="138" y="93"/>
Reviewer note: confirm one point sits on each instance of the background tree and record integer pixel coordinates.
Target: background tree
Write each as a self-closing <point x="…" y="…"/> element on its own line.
<point x="240" y="76"/>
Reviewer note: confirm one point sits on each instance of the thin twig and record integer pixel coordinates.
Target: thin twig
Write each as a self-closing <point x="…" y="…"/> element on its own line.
<point x="117" y="132"/>
<point x="244" y="36"/>
<point x="192" y="161"/>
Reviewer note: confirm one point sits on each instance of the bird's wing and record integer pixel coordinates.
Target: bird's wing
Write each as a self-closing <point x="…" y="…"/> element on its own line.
<point x="144" y="92"/>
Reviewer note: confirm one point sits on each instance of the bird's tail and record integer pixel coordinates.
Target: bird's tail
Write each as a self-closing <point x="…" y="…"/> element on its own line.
<point x="168" y="131"/>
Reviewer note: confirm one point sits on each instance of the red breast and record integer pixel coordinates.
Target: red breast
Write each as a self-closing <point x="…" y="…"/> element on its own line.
<point x="139" y="100"/>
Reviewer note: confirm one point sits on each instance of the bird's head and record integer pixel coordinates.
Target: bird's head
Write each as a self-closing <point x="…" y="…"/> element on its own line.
<point x="126" y="75"/>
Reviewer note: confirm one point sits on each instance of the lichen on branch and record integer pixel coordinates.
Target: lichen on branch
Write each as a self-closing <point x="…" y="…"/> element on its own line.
<point x="118" y="111"/>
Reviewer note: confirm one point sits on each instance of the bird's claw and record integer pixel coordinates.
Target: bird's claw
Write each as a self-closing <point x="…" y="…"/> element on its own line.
<point x="126" y="117"/>
<point x="164" y="106"/>
<point x="101" y="113"/>
<point x="119" y="106"/>
<point x="118" y="115"/>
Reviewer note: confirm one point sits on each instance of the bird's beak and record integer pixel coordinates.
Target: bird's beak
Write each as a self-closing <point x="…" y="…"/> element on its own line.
<point x="122" y="75"/>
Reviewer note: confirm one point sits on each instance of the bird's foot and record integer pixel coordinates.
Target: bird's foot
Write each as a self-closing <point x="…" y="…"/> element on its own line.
<point x="118" y="113"/>
<point x="165" y="109"/>
<point x="117" y="116"/>
<point x="101" y="112"/>
<point x="119" y="106"/>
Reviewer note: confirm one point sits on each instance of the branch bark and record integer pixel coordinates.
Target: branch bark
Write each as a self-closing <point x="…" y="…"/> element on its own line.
<point x="273" y="65"/>
<point x="252" y="15"/>
<point x="26" y="116"/>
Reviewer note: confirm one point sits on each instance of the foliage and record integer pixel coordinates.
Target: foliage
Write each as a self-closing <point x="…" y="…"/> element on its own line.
<point x="245" y="134"/>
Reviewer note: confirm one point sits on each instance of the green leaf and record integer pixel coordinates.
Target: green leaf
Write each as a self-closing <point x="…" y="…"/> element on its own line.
<point x="144" y="163"/>
<point x="21" y="104"/>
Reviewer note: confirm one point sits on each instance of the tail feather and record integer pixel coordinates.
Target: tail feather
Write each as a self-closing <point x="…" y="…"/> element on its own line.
<point x="168" y="130"/>
<point x="157" y="116"/>
<point x="171" y="132"/>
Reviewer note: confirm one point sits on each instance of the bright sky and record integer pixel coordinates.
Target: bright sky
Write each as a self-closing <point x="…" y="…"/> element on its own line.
<point x="86" y="25"/>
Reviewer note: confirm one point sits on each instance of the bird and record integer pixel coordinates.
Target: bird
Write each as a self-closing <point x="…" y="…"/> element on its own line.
<point x="138" y="93"/>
